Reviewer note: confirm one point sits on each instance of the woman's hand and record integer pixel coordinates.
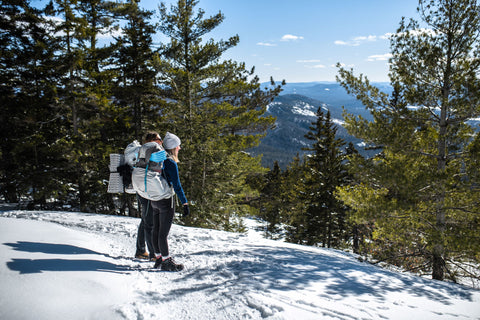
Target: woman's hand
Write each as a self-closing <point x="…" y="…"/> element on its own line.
<point x="186" y="210"/>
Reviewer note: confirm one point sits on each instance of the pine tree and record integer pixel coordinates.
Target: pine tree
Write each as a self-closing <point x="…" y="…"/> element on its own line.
<point x="28" y="121"/>
<point x="325" y="215"/>
<point x="418" y="192"/>
<point x="85" y="96"/>
<point x="216" y="110"/>
<point x="136" y="96"/>
<point x="294" y="195"/>
<point x="271" y="204"/>
<point x="135" y="88"/>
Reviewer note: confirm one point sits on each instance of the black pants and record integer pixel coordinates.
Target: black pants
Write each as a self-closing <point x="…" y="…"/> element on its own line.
<point x="145" y="228"/>
<point x="163" y="212"/>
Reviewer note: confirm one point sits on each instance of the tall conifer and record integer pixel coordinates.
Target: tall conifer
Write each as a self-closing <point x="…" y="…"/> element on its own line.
<point x="28" y="119"/>
<point x="324" y="214"/>
<point x="216" y="107"/>
<point x="418" y="191"/>
<point x="271" y="206"/>
<point x="135" y="86"/>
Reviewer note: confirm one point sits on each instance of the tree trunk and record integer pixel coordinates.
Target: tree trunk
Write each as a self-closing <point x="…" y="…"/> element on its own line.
<point x="438" y="262"/>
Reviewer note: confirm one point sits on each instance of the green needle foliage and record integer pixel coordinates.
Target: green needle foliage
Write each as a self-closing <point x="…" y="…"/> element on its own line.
<point x="421" y="192"/>
<point x="88" y="80"/>
<point x="216" y="107"/>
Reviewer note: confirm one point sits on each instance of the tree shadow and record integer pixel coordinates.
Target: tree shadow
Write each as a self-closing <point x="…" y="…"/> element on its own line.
<point x="25" y="266"/>
<point x="49" y="248"/>
<point x="285" y="269"/>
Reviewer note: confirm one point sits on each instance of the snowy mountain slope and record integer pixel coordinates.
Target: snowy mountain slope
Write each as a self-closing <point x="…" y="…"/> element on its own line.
<point x="295" y="109"/>
<point x="295" y="114"/>
<point x="63" y="265"/>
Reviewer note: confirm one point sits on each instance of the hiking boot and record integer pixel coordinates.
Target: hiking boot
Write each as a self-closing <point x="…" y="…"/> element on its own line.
<point x="144" y="255"/>
<point x="158" y="263"/>
<point x="153" y="258"/>
<point x="170" y="265"/>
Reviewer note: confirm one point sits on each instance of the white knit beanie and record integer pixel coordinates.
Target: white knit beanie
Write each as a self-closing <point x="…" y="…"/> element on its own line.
<point x="170" y="141"/>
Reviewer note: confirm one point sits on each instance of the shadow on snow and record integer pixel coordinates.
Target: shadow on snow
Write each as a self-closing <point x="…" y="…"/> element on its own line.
<point x="285" y="269"/>
<point x="25" y="266"/>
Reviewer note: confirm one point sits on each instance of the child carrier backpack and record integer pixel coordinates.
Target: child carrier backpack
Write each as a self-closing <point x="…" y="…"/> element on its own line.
<point x="121" y="168"/>
<point x="147" y="176"/>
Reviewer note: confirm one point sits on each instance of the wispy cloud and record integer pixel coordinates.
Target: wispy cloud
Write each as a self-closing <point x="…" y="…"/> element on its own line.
<point x="422" y="31"/>
<point x="343" y="65"/>
<point x="308" y="64"/>
<point x="266" y="44"/>
<point x="287" y="37"/>
<point x="291" y="37"/>
<point x="344" y="43"/>
<point x="356" y="41"/>
<point x="379" y="57"/>
<point x="386" y="36"/>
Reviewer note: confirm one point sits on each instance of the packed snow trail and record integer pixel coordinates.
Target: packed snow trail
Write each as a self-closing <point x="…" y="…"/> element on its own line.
<point x="80" y="266"/>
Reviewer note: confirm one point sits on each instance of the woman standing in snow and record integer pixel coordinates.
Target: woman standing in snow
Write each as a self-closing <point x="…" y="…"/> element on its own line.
<point x="145" y="229"/>
<point x="164" y="210"/>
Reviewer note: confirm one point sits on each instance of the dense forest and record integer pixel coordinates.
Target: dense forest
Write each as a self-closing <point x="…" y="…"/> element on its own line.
<point x="69" y="99"/>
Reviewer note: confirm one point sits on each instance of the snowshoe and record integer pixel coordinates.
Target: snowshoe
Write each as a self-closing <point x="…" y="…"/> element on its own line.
<point x="158" y="263"/>
<point x="170" y="265"/>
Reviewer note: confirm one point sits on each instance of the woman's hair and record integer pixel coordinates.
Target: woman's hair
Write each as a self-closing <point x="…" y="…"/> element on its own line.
<point x="151" y="136"/>
<point x="173" y="155"/>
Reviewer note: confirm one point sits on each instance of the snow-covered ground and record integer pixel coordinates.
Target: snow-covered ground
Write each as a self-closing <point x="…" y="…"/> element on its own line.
<point x="63" y="265"/>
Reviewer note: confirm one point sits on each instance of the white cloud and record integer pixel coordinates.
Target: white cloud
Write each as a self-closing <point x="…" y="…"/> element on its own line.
<point x="342" y="43"/>
<point x="347" y="43"/>
<point x="290" y="37"/>
<point x="317" y="66"/>
<point x="367" y="38"/>
<point x="343" y="65"/>
<point x="379" y="57"/>
<point x="266" y="44"/>
<point x="421" y="31"/>
<point x="356" y="41"/>
<point x="386" y="36"/>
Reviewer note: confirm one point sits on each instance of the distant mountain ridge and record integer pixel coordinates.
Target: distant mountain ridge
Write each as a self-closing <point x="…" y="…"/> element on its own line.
<point x="295" y="109"/>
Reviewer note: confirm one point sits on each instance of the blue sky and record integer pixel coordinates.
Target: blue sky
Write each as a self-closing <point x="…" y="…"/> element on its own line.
<point x="302" y="40"/>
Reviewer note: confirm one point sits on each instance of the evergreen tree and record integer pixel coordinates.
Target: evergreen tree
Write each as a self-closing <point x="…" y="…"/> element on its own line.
<point x="135" y="88"/>
<point x="215" y="109"/>
<point x="418" y="191"/>
<point x="359" y="233"/>
<point x="271" y="201"/>
<point x="136" y="108"/>
<point x="294" y="195"/>
<point x="324" y="215"/>
<point x="28" y="120"/>
<point x="85" y="93"/>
